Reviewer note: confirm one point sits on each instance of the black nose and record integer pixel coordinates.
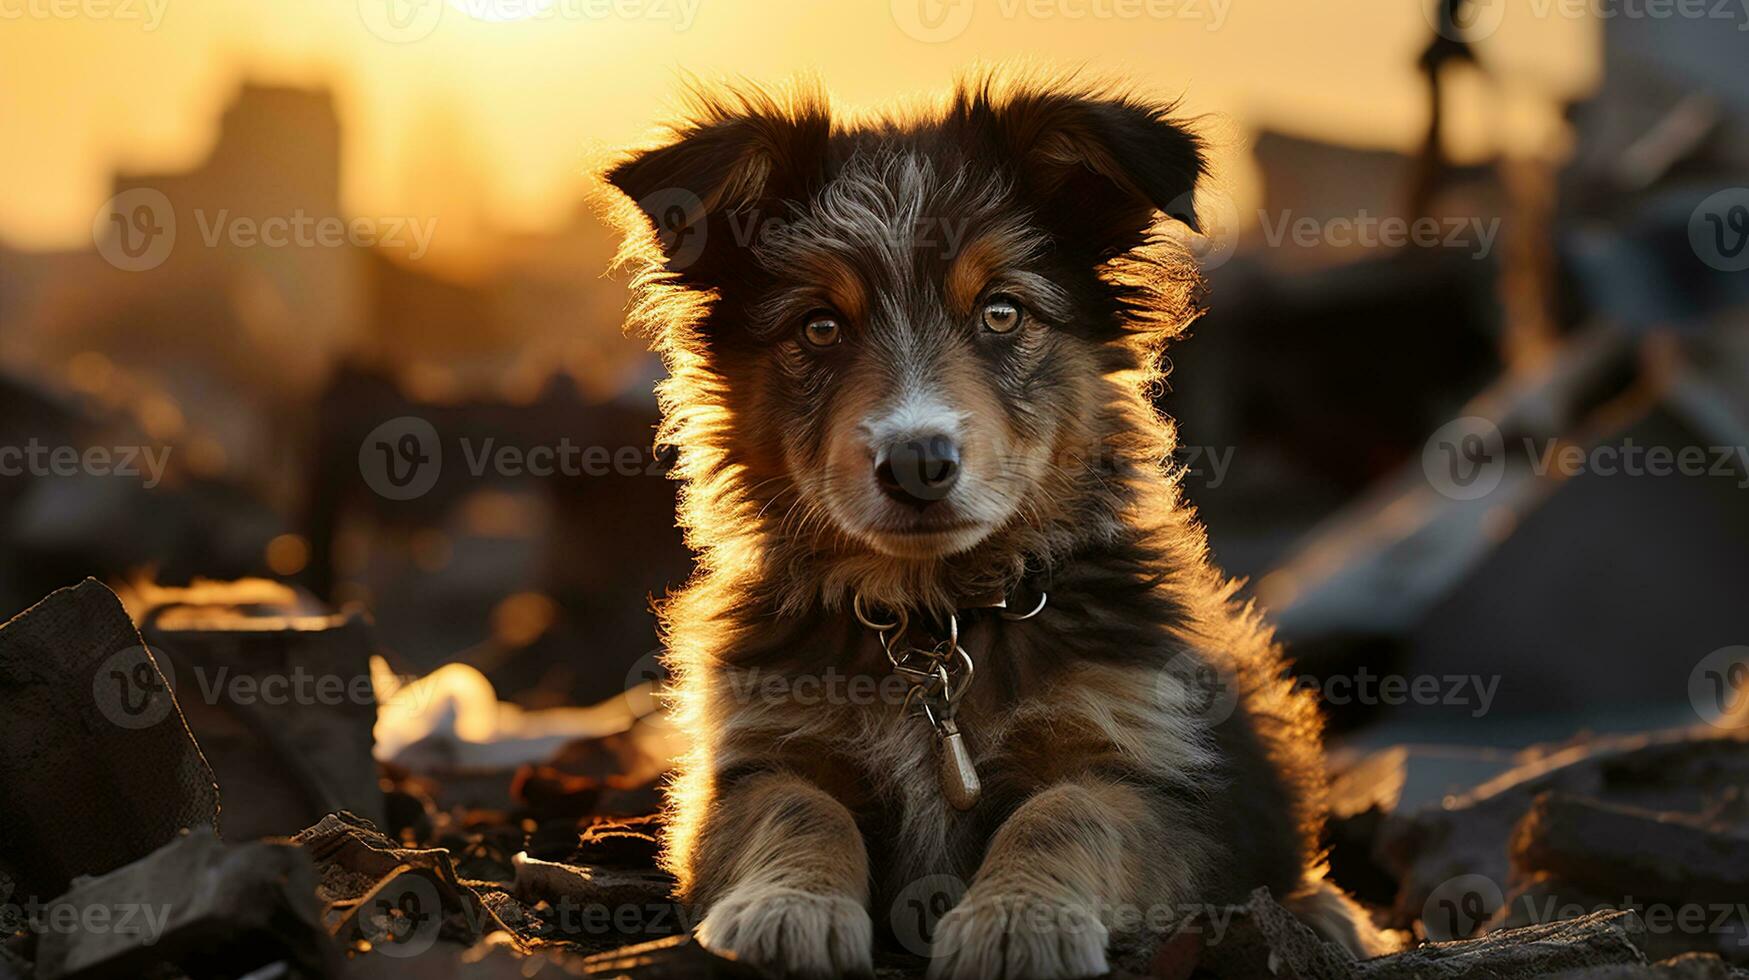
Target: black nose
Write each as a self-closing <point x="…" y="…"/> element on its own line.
<point x="918" y="471"/>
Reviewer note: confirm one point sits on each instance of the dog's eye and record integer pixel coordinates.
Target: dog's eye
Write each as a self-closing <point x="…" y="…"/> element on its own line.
<point x="822" y="330"/>
<point x="1001" y="314"/>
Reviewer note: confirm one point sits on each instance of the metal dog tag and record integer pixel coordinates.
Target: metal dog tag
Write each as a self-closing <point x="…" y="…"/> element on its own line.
<point x="959" y="778"/>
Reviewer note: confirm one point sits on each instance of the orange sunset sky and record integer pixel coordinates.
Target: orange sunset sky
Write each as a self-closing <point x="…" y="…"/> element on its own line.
<point x="490" y="113"/>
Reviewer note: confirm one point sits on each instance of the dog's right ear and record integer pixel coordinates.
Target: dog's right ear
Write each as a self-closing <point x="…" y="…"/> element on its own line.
<point x="710" y="191"/>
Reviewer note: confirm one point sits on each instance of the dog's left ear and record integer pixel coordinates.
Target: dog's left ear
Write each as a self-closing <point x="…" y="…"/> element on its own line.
<point x="723" y="176"/>
<point x="1094" y="169"/>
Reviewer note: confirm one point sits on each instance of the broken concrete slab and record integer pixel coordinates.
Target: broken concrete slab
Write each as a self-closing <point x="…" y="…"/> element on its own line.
<point x="589" y="886"/>
<point x="1602" y="939"/>
<point x="599" y="908"/>
<point x="281" y="702"/>
<point x="1366" y="789"/>
<point x="1689" y="966"/>
<point x="398" y="900"/>
<point x="13" y="966"/>
<point x="208" y="908"/>
<point x="677" y="958"/>
<point x="99" y="768"/>
<point x="1260" y="938"/>
<point x="1621" y="850"/>
<point x="1672" y="929"/>
<point x="1691" y="770"/>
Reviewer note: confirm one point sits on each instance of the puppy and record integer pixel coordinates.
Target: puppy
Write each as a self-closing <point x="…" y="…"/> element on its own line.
<point x="910" y="365"/>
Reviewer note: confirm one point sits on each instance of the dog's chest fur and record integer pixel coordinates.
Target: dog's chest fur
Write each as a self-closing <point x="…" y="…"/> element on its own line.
<point x="1041" y="708"/>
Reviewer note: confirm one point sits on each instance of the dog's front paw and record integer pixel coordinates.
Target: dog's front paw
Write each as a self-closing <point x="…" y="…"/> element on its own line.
<point x="1019" y="937"/>
<point x="792" y="933"/>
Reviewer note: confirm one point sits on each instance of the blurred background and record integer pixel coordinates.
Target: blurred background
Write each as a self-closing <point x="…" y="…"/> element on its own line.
<point x="1463" y="261"/>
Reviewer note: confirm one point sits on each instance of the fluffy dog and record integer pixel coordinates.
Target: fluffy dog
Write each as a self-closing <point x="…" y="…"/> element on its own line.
<point x="910" y="364"/>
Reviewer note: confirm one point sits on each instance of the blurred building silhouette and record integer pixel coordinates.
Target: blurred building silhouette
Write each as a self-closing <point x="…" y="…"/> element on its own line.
<point x="263" y="362"/>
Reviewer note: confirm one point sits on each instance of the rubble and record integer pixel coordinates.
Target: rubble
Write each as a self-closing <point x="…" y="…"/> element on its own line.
<point x="280" y="701"/>
<point x="1692" y="966"/>
<point x="365" y="881"/>
<point x="99" y="769"/>
<point x="1601" y="939"/>
<point x="550" y="867"/>
<point x="210" y="909"/>
<point x="668" y="959"/>
<point x="1682" y="771"/>
<point x="1260" y="938"/>
<point x="1624" y="850"/>
<point x="591" y="887"/>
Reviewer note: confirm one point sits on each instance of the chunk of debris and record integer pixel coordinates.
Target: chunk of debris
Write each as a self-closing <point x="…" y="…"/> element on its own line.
<point x="1672" y="929"/>
<point x="678" y="958"/>
<point x="13" y="966"/>
<point x="99" y="769"/>
<point x="599" y="908"/>
<point x="208" y="908"/>
<point x="378" y="894"/>
<point x="1689" y="966"/>
<point x="280" y="699"/>
<point x="620" y="842"/>
<point x="1260" y="939"/>
<point x="1687" y="770"/>
<point x="1623" y="850"/>
<point x="611" y="888"/>
<point x="1588" y="943"/>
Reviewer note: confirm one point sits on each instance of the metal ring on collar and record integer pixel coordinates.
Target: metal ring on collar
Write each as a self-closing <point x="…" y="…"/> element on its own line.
<point x="1043" y="597"/>
<point x="862" y="617"/>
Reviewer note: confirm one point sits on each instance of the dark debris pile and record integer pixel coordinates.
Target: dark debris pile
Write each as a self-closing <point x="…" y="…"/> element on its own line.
<point x="120" y="854"/>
